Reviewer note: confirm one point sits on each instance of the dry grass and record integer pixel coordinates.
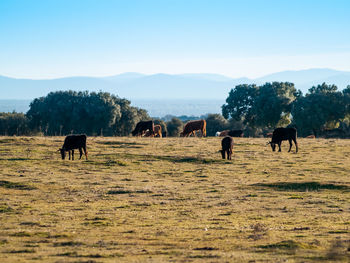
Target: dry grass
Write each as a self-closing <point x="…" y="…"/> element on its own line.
<point x="174" y="199"/>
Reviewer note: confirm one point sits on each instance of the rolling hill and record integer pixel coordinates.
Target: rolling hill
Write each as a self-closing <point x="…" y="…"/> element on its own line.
<point x="165" y="86"/>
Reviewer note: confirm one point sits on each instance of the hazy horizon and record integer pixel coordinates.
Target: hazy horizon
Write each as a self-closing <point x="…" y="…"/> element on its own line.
<point x="173" y="74"/>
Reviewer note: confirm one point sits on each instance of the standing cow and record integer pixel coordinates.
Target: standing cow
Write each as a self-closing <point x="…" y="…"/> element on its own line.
<point x="142" y="127"/>
<point x="227" y="146"/>
<point x="72" y="142"/>
<point x="283" y="134"/>
<point x="235" y="133"/>
<point x="192" y="126"/>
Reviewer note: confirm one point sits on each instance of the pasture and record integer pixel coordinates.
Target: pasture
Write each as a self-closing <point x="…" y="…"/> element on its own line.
<point x="174" y="200"/>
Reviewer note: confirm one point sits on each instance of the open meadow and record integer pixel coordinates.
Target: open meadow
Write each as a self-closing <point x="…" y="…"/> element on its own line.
<point x="174" y="200"/>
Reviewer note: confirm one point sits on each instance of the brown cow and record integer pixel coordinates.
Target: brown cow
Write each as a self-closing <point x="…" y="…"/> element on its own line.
<point x="157" y="132"/>
<point x="224" y="133"/>
<point x="227" y="145"/>
<point x="311" y="136"/>
<point x="192" y="126"/>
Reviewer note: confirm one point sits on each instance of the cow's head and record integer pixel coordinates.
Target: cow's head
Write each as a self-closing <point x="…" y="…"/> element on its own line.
<point x="273" y="145"/>
<point x="222" y="154"/>
<point x="134" y="132"/>
<point x="63" y="153"/>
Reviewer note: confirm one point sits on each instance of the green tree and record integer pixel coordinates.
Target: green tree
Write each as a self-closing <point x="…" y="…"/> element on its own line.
<point x="93" y="113"/>
<point x="174" y="127"/>
<point x="322" y="107"/>
<point x="346" y="93"/>
<point x="240" y="102"/>
<point x="215" y="122"/>
<point x="272" y="106"/>
<point x="130" y="116"/>
<point x="268" y="105"/>
<point x="14" y="124"/>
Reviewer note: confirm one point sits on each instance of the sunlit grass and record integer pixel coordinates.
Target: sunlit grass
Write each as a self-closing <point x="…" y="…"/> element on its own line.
<point x="174" y="199"/>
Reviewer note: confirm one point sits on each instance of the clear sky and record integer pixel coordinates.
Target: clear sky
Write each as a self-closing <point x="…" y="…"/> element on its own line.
<point x="56" y="38"/>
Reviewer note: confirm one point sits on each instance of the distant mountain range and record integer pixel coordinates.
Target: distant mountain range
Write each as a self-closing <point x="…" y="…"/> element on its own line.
<point x="165" y="86"/>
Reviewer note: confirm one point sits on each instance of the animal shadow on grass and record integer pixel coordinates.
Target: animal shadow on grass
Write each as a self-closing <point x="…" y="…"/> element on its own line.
<point x="176" y="159"/>
<point x="123" y="144"/>
<point x="303" y="186"/>
<point x="15" y="159"/>
<point x="285" y="247"/>
<point x="18" y="186"/>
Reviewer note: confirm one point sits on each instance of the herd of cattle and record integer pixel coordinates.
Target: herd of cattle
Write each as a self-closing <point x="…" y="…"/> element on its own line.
<point x="147" y="128"/>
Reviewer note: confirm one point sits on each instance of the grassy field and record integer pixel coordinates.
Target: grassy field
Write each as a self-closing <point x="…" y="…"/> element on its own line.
<point x="174" y="200"/>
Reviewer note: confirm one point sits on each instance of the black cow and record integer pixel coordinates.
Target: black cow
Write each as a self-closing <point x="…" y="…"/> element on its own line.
<point x="227" y="146"/>
<point x="142" y="127"/>
<point x="235" y="133"/>
<point x="72" y="142"/>
<point x="283" y="134"/>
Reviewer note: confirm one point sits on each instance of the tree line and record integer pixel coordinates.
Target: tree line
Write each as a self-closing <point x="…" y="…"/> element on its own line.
<point x="279" y="104"/>
<point x="256" y="109"/>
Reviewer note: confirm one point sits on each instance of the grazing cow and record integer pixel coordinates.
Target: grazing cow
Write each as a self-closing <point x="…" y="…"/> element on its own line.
<point x="142" y="127"/>
<point x="192" y="126"/>
<point x="227" y="146"/>
<point x="157" y="132"/>
<point x="224" y="133"/>
<point x="235" y="133"/>
<point x="72" y="142"/>
<point x="282" y="134"/>
<point x="311" y="136"/>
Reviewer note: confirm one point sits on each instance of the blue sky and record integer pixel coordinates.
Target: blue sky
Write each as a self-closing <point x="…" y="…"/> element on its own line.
<point x="56" y="38"/>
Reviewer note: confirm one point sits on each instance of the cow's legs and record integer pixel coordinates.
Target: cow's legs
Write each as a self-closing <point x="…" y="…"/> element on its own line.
<point x="81" y="153"/>
<point x="72" y="155"/>
<point x="86" y="154"/>
<point x="229" y="155"/>
<point x="69" y="155"/>
<point x="279" y="146"/>
<point x="290" y="144"/>
<point x="296" y="145"/>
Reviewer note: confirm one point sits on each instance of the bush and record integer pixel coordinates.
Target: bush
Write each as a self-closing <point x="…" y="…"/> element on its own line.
<point x="174" y="127"/>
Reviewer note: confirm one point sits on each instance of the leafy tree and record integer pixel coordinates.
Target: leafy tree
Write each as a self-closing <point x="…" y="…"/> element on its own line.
<point x="346" y="93"/>
<point x="174" y="127"/>
<point x="240" y="102"/>
<point x="323" y="88"/>
<point x="215" y="122"/>
<point x="13" y="124"/>
<point x="93" y="113"/>
<point x="273" y="104"/>
<point x="130" y="116"/>
<point x="322" y="107"/>
<point x="268" y="105"/>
